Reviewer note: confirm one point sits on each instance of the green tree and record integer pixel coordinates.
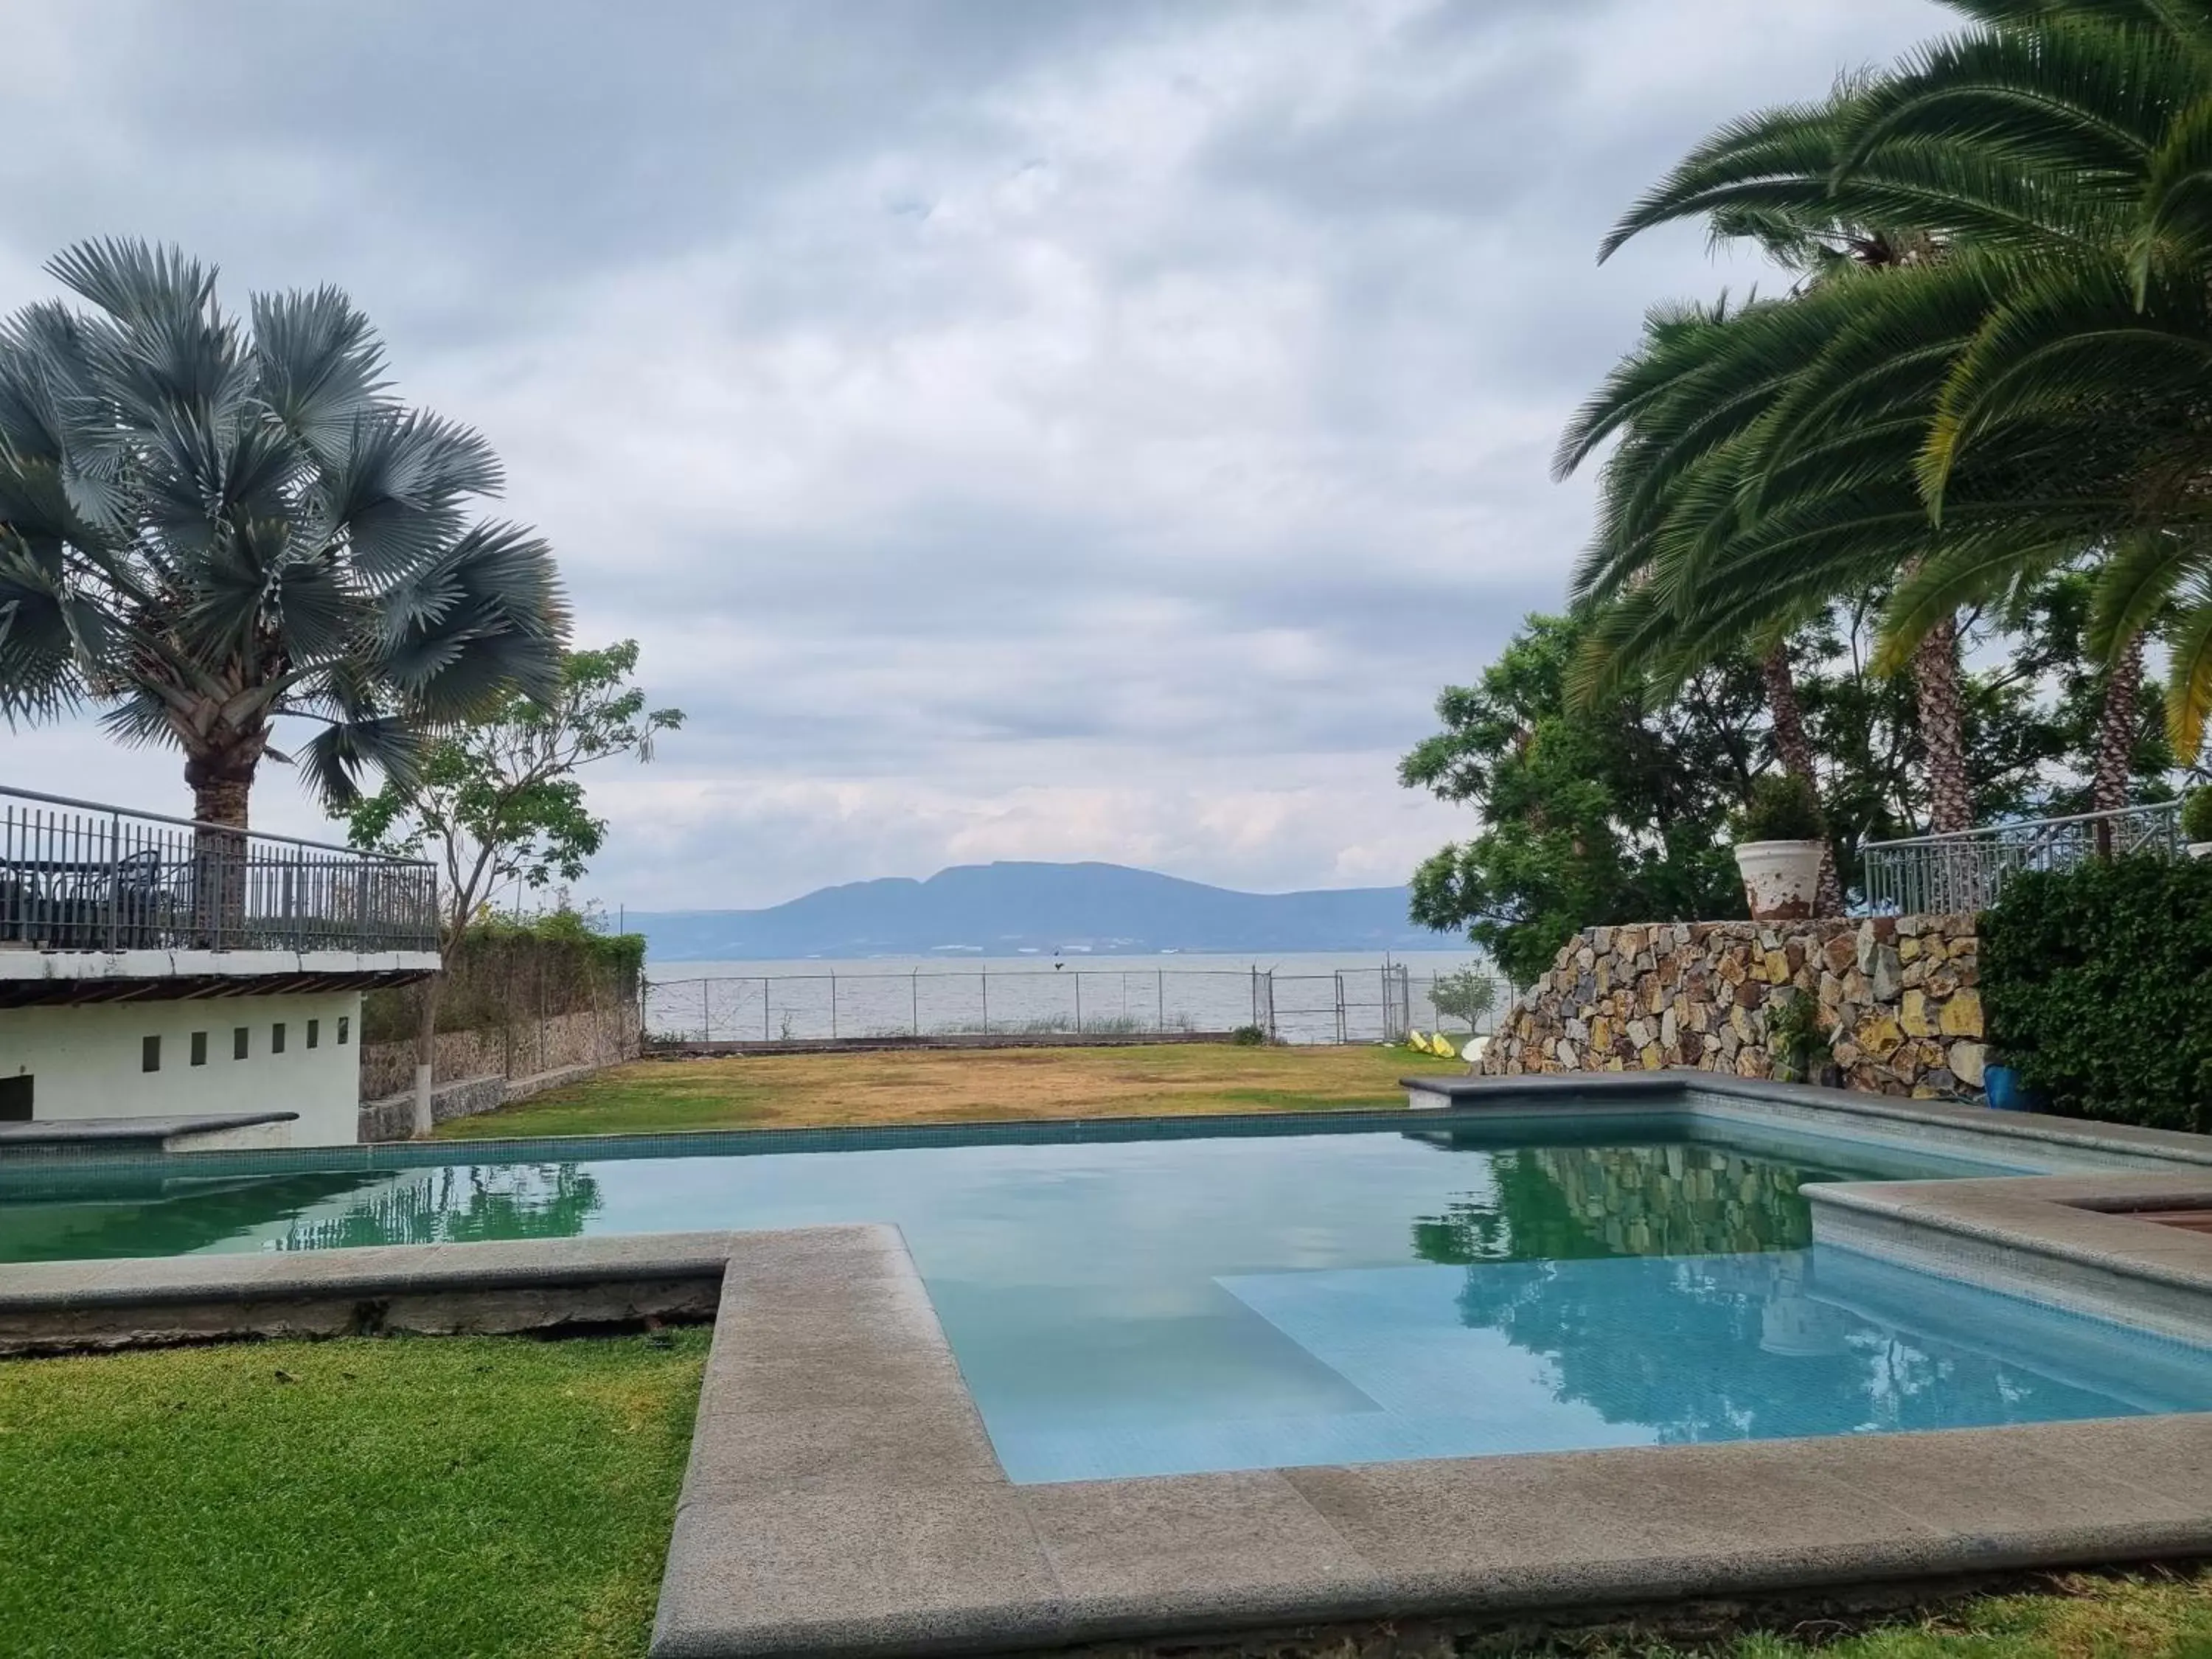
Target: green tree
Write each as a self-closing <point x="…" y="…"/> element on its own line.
<point x="2022" y="389"/>
<point x="1588" y="816"/>
<point x="206" y="526"/>
<point x="497" y="800"/>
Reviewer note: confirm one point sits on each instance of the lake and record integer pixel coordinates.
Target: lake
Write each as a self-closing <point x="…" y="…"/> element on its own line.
<point x="1309" y="997"/>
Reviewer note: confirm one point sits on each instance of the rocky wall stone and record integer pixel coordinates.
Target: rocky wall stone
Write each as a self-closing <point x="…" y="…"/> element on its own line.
<point x="1898" y="996"/>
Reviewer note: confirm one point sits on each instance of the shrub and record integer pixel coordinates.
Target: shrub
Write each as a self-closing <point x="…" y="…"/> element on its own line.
<point x="1249" y="1036"/>
<point x="2197" y="816"/>
<point x="2093" y="984"/>
<point x="1782" y="807"/>
<point x="1799" y="1044"/>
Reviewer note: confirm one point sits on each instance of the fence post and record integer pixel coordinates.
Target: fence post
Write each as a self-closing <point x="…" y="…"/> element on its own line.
<point x="1079" y="1002"/>
<point x="1340" y="1007"/>
<point x="833" y="1005"/>
<point x="1160" y="989"/>
<point x="913" y="999"/>
<point x="764" y="1014"/>
<point x="985" y="977"/>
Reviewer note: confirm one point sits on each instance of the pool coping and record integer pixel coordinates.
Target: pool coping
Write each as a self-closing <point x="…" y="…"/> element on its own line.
<point x="842" y="1498"/>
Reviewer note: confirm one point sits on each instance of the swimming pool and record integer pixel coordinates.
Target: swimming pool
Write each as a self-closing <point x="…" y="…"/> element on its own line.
<point x="1363" y="1290"/>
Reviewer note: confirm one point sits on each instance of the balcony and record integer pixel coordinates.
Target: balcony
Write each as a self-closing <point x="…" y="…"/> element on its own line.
<point x="97" y="892"/>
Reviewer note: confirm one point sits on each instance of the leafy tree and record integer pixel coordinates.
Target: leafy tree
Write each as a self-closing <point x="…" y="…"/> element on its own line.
<point x="498" y="799"/>
<point x="1619" y="812"/>
<point x="1468" y="994"/>
<point x="206" y="525"/>
<point x="1614" y="814"/>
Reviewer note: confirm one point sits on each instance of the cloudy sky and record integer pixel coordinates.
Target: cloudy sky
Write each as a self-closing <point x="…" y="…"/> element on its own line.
<point x="1015" y="429"/>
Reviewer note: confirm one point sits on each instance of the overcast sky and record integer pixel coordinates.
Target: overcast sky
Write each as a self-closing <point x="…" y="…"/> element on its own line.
<point x="1014" y="428"/>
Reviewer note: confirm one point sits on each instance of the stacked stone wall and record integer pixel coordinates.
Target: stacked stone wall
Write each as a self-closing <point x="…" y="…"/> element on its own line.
<point x="1899" y="997"/>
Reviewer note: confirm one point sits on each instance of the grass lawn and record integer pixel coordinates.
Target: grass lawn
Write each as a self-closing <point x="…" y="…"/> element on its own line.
<point x="950" y="1085"/>
<point x="2146" y="1615"/>
<point x="432" y="1496"/>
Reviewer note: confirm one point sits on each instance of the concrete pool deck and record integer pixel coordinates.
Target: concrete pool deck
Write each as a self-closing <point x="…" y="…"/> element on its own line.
<point x="843" y="1496"/>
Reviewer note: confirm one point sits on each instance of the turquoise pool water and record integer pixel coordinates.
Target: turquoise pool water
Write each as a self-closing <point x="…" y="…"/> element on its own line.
<point x="1306" y="1295"/>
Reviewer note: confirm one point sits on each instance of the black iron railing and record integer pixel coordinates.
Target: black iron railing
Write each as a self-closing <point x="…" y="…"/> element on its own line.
<point x="79" y="876"/>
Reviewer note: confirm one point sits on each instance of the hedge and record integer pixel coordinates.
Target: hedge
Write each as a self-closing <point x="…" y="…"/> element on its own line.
<point x="2097" y="984"/>
<point x="505" y="969"/>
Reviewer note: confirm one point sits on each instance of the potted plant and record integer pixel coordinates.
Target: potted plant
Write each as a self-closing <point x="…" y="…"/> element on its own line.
<point x="2197" y="823"/>
<point x="1780" y="840"/>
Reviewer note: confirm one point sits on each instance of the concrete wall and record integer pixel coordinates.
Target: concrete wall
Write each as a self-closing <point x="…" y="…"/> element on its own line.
<point x="87" y="1061"/>
<point x="1899" y="997"/>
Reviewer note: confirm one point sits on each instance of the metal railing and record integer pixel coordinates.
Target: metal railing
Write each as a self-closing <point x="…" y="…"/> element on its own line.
<point x="1966" y="869"/>
<point x="1364" y="1005"/>
<point x="80" y="876"/>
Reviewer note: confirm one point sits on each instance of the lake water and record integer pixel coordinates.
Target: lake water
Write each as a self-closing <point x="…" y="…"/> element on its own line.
<point x="1316" y="997"/>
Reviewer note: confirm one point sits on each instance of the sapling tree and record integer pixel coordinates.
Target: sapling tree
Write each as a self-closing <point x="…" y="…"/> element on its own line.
<point x="498" y="800"/>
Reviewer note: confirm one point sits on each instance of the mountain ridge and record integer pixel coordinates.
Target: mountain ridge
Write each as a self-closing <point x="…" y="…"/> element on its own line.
<point x="1016" y="905"/>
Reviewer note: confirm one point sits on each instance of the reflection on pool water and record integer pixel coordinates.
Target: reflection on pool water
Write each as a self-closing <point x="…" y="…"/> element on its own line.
<point x="1149" y="1306"/>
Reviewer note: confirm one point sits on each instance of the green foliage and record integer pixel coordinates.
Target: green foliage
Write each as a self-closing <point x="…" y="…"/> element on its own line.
<point x="1782" y="807"/>
<point x="1613" y="813"/>
<point x="208" y="522"/>
<point x="508" y="971"/>
<point x="1992" y="362"/>
<point x="1468" y="994"/>
<point x="1249" y="1036"/>
<point x="498" y="799"/>
<point x="2197" y="816"/>
<point x="2093" y="981"/>
<point x="1800" y="1044"/>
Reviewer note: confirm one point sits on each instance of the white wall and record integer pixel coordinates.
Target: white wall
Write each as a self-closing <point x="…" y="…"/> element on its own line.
<point x="87" y="1061"/>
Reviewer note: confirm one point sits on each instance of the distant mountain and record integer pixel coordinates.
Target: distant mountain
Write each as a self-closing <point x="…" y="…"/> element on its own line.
<point x="998" y="909"/>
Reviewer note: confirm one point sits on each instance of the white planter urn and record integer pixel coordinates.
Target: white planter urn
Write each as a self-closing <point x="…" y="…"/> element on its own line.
<point x="1781" y="878"/>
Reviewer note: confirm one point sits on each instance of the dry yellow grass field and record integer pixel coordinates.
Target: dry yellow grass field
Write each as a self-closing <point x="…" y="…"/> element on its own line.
<point x="783" y="1091"/>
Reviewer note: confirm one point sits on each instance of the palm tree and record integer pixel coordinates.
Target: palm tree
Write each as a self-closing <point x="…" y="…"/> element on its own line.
<point x="206" y="526"/>
<point x="2053" y="160"/>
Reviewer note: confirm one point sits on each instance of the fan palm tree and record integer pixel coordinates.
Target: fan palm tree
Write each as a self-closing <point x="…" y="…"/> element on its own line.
<point x="206" y="526"/>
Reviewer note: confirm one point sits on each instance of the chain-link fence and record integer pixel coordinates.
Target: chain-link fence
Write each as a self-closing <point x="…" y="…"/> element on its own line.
<point x="1377" y="1005"/>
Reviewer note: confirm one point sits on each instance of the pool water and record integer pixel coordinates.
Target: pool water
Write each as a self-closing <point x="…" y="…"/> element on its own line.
<point x="1146" y="1306"/>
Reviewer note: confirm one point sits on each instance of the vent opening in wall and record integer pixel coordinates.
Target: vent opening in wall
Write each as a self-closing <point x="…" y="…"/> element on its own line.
<point x="314" y="1033"/>
<point x="277" y="1038"/>
<point x="15" y="1099"/>
<point x="200" y="1048"/>
<point x="149" y="1053"/>
<point x="344" y="1022"/>
<point x="241" y="1041"/>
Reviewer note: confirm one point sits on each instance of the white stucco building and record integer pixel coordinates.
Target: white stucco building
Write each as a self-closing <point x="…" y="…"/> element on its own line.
<point x="151" y="969"/>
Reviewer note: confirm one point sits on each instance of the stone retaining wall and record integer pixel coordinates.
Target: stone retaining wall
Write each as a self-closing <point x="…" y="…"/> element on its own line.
<point x="589" y="1037"/>
<point x="1899" y="996"/>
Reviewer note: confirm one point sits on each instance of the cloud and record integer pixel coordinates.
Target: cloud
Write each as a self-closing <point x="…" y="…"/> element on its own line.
<point x="1086" y="430"/>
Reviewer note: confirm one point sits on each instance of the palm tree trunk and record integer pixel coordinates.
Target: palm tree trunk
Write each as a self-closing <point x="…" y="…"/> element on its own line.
<point x="1795" y="754"/>
<point x="2116" y="731"/>
<point x="1942" y="729"/>
<point x="222" y="787"/>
